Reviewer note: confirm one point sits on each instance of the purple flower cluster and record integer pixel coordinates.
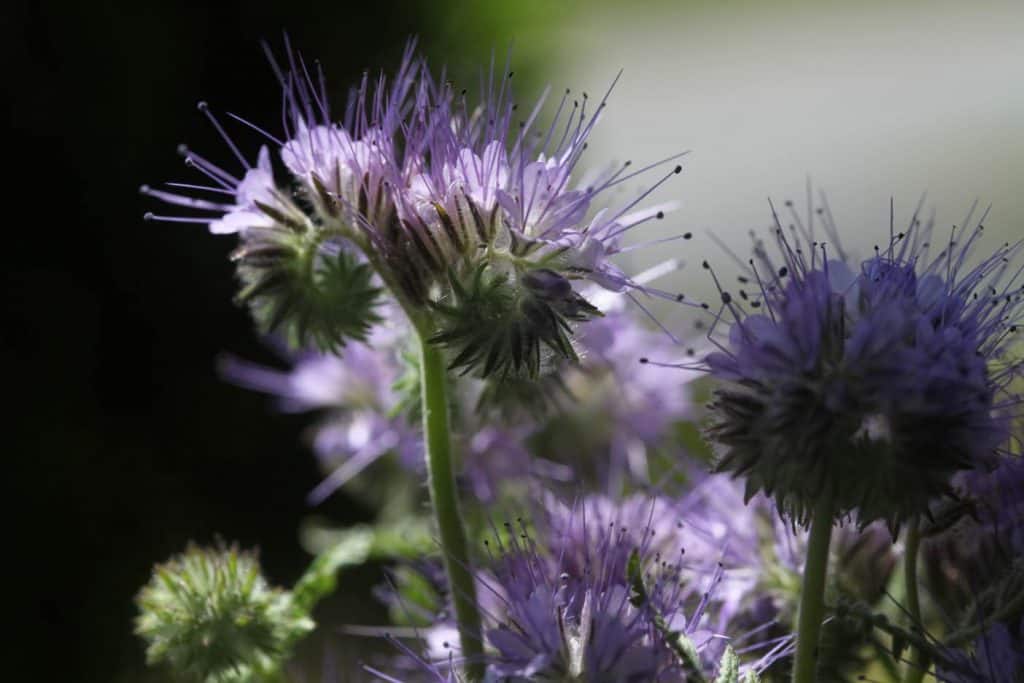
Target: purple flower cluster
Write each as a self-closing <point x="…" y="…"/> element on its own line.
<point x="563" y="601"/>
<point x="873" y="383"/>
<point x="475" y="224"/>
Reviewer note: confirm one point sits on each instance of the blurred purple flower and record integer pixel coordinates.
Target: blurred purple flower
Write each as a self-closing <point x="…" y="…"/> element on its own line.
<point x="996" y="656"/>
<point x="356" y="392"/>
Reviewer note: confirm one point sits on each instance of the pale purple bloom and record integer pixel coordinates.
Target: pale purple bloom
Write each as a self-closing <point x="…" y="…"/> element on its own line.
<point x="356" y="394"/>
<point x="486" y="182"/>
<point x="234" y="207"/>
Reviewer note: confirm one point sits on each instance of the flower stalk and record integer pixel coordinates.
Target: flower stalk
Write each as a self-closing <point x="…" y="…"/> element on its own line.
<point x="445" y="502"/>
<point x="812" y="595"/>
<point x="918" y="663"/>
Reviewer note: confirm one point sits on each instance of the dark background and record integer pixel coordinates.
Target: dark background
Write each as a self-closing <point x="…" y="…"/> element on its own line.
<point x="126" y="443"/>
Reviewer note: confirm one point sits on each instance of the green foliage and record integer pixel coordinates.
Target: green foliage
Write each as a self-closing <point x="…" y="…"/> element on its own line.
<point x="312" y="297"/>
<point x="213" y="618"/>
<point x="498" y="327"/>
<point x="320" y="579"/>
<point x="404" y="539"/>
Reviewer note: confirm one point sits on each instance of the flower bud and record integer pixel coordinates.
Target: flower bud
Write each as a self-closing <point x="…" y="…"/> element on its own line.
<point x="211" y="616"/>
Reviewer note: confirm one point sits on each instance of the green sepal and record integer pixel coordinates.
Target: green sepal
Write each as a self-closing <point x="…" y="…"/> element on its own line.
<point x="729" y="667"/>
<point x="294" y="287"/>
<point x="504" y="328"/>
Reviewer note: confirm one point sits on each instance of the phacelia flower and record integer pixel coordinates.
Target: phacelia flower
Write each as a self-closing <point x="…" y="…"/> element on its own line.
<point x="873" y="383"/>
<point x="211" y="616"/>
<point x="601" y="591"/>
<point x="513" y="231"/>
<point x="476" y="226"/>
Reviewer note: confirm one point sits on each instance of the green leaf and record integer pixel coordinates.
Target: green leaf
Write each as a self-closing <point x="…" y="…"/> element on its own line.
<point x="408" y="538"/>
<point x="320" y="579"/>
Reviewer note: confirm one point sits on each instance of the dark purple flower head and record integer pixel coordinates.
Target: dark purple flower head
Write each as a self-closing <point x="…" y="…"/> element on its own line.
<point x="874" y="384"/>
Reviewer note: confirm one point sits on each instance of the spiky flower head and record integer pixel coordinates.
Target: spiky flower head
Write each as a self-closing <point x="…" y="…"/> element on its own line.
<point x="211" y="616"/>
<point x="511" y="230"/>
<point x="599" y="591"/>
<point x="473" y="224"/>
<point x="873" y="382"/>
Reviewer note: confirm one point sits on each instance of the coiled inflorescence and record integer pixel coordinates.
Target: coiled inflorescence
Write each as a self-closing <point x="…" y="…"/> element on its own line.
<point x="470" y="218"/>
<point x="872" y="383"/>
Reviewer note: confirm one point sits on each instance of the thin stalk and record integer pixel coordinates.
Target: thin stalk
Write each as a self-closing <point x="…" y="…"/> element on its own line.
<point x="445" y="500"/>
<point x="918" y="664"/>
<point x="812" y="596"/>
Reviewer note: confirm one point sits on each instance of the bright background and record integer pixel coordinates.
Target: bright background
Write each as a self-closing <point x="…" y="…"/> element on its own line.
<point x="126" y="444"/>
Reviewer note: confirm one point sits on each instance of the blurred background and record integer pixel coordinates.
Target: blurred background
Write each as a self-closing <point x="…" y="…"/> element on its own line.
<point x="127" y="444"/>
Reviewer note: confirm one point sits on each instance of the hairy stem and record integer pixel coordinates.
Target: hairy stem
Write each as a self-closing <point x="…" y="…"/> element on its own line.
<point x="445" y="500"/>
<point x="812" y="596"/>
<point x="918" y="664"/>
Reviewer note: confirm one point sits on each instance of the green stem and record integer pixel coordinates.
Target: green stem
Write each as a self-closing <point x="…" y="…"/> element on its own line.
<point x="918" y="664"/>
<point x="812" y="596"/>
<point x="441" y="480"/>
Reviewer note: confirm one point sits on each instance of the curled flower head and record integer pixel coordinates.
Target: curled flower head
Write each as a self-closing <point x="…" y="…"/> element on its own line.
<point x="211" y="615"/>
<point x="508" y="231"/>
<point x="872" y="383"/>
<point x="475" y="225"/>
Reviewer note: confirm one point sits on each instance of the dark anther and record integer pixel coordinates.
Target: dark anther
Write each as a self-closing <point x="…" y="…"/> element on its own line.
<point x="687" y="235"/>
<point x="783" y="271"/>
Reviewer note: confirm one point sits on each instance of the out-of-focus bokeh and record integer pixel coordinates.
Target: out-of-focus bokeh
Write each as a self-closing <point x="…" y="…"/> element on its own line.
<point x="869" y="101"/>
<point x="126" y="444"/>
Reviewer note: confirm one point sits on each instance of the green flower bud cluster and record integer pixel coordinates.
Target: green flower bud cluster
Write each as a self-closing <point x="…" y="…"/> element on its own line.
<point x="211" y="616"/>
